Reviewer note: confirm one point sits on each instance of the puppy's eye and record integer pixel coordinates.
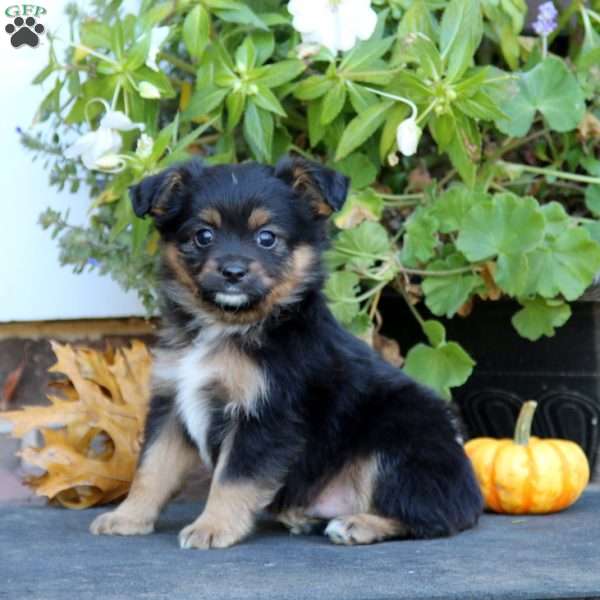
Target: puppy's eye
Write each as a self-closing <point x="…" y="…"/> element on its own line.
<point x="266" y="238"/>
<point x="204" y="237"/>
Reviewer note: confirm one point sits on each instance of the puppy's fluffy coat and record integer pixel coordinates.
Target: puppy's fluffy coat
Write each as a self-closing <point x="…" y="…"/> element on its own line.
<point x="253" y="374"/>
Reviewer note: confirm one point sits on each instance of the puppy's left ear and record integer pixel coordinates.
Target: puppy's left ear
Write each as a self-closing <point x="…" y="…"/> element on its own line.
<point x="324" y="188"/>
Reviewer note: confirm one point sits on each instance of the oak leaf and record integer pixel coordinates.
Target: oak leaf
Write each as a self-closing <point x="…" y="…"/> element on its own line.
<point x="93" y="428"/>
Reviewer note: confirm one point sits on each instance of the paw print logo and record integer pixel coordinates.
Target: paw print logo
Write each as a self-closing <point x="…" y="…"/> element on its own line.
<point x="24" y="31"/>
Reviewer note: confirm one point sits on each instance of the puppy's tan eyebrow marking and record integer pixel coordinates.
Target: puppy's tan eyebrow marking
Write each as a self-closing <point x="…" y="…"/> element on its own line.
<point x="259" y="217"/>
<point x="211" y="216"/>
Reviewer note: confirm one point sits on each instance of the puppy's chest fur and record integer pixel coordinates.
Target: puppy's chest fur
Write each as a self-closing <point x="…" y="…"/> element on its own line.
<point x="213" y="381"/>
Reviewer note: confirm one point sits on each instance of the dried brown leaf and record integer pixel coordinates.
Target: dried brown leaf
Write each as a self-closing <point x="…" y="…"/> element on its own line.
<point x="92" y="434"/>
<point x="389" y="349"/>
<point x="11" y="383"/>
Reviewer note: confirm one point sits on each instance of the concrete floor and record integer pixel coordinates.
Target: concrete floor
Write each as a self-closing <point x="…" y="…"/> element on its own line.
<point x="48" y="554"/>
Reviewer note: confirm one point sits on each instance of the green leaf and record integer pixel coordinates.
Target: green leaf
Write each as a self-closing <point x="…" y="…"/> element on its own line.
<point x="566" y="265"/>
<point x="315" y="130"/>
<point x="460" y="35"/>
<point x="420" y="49"/>
<point x="440" y="368"/>
<point x="264" y="42"/>
<point x="557" y="220"/>
<point x="361" y="128"/>
<point x="454" y="204"/>
<point x="540" y="317"/>
<point x="464" y="149"/>
<point x="435" y="332"/>
<point x="258" y="131"/>
<point x="364" y="54"/>
<point x="204" y="100"/>
<point x="360" y="97"/>
<point x="333" y="103"/>
<point x="592" y="199"/>
<point x="363" y="245"/>
<point x="359" y="168"/>
<point x="549" y="88"/>
<point x="277" y="74"/>
<point x="480" y="106"/>
<point x="420" y="237"/>
<point x="196" y="30"/>
<point x="360" y="206"/>
<point x="388" y="142"/>
<point x="233" y="11"/>
<point x="245" y="56"/>
<point x="95" y="34"/>
<point x="266" y="99"/>
<point x="593" y="228"/>
<point x="417" y="18"/>
<point x="340" y="288"/>
<point x="445" y="295"/>
<point x="506" y="225"/>
<point x="313" y="87"/>
<point x="235" y="107"/>
<point x="512" y="273"/>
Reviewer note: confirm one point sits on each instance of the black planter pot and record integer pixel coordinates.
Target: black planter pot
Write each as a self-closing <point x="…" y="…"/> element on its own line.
<point x="562" y="373"/>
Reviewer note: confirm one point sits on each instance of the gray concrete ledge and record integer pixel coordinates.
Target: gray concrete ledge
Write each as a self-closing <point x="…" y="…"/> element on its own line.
<point x="47" y="554"/>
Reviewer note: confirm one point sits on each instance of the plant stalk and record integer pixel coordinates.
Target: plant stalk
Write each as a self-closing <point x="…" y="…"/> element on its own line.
<point x="524" y="421"/>
<point x="554" y="173"/>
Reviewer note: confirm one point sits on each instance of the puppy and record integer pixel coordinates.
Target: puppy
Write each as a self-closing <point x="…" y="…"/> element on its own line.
<point x="253" y="374"/>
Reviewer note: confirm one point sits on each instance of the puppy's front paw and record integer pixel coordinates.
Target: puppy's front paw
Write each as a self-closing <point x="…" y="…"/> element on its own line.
<point x="205" y="535"/>
<point x="113" y="523"/>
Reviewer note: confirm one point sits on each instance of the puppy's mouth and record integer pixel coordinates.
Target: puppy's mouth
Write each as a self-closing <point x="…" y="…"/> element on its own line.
<point x="231" y="299"/>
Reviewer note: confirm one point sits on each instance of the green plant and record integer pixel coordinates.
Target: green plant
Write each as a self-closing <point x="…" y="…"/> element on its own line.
<point x="500" y="199"/>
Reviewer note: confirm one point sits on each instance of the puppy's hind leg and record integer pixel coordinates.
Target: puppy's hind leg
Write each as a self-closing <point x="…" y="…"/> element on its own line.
<point x="432" y="490"/>
<point x="165" y="461"/>
<point x="364" y="528"/>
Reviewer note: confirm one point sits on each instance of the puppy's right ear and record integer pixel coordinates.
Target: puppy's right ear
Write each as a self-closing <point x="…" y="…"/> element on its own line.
<point x="157" y="195"/>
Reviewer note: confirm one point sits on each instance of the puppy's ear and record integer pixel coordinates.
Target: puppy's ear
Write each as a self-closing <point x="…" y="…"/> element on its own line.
<point x="154" y="194"/>
<point x="324" y="188"/>
<point x="162" y="195"/>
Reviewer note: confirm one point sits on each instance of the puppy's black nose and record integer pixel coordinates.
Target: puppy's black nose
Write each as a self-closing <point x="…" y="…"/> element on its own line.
<point x="234" y="271"/>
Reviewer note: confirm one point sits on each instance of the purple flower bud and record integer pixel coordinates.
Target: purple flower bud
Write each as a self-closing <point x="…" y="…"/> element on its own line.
<point x="545" y="23"/>
<point x="19" y="130"/>
<point x="92" y="262"/>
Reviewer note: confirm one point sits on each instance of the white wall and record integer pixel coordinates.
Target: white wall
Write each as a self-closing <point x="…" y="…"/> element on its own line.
<point x="33" y="286"/>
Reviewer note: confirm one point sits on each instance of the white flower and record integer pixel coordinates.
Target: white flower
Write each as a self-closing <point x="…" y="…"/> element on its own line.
<point x="109" y="162"/>
<point x="116" y="119"/>
<point x="95" y="147"/>
<point x="148" y="90"/>
<point x="408" y="135"/>
<point x="336" y="24"/>
<point x="144" y="147"/>
<point x="158" y="36"/>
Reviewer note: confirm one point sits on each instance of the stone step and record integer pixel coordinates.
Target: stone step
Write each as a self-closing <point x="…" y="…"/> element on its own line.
<point x="47" y="553"/>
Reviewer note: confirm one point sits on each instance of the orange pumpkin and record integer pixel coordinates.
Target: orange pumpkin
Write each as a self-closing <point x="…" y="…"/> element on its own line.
<point x="528" y="474"/>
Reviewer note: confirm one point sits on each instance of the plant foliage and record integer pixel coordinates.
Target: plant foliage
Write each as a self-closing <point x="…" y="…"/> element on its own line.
<point x="500" y="201"/>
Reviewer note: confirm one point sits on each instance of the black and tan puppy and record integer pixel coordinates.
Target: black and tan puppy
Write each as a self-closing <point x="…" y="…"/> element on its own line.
<point x="253" y="374"/>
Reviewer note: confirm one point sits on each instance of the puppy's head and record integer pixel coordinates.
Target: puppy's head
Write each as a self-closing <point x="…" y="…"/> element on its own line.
<point x="245" y="239"/>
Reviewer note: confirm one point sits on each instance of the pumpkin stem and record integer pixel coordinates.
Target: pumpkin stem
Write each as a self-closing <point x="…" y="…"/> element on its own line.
<point x="524" y="420"/>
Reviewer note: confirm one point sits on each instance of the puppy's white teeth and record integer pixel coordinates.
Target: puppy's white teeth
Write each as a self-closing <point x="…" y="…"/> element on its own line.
<point x="231" y="299"/>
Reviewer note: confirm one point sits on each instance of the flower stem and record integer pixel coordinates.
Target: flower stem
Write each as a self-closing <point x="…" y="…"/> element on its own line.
<point x="99" y="56"/>
<point x="544" y="46"/>
<point x="397" y="285"/>
<point x="553" y="173"/>
<point x="178" y="62"/>
<point x="410" y="103"/>
<point x="524" y="421"/>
